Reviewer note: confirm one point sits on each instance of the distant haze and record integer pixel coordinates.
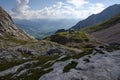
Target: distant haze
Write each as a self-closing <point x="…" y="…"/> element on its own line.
<point x="43" y="27"/>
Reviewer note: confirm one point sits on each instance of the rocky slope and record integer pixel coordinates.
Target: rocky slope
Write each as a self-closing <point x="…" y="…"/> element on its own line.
<point x="97" y="64"/>
<point x="20" y="51"/>
<point x="96" y="67"/>
<point x="98" y="18"/>
<point x="7" y="28"/>
<point x="107" y="32"/>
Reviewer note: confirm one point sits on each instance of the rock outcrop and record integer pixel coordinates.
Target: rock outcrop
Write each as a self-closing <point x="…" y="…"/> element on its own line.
<point x="100" y="67"/>
<point x="8" y="29"/>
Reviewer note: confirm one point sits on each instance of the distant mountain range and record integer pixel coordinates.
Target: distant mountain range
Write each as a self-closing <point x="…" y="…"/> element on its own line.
<point x="98" y="18"/>
<point x="43" y="27"/>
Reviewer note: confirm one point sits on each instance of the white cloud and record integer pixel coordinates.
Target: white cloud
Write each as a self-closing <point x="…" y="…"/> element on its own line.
<point x="69" y="9"/>
<point x="21" y="6"/>
<point x="97" y="8"/>
<point x="77" y="3"/>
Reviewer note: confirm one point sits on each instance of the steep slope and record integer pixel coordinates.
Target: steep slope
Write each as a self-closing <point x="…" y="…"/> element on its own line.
<point x="98" y="18"/>
<point x="107" y="32"/>
<point x="8" y="29"/>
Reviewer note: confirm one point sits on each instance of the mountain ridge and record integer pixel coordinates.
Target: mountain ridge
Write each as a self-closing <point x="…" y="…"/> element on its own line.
<point x="98" y="18"/>
<point x="109" y="28"/>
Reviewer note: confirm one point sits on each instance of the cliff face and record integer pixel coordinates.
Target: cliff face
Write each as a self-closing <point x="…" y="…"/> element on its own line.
<point x="7" y="27"/>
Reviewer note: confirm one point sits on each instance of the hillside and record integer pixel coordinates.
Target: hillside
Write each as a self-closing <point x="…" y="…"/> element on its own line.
<point x="109" y="28"/>
<point x="9" y="30"/>
<point x="98" y="18"/>
<point x="74" y="39"/>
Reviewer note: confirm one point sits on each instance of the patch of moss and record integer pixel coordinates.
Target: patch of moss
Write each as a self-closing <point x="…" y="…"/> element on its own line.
<point x="34" y="74"/>
<point x="77" y="56"/>
<point x="65" y="58"/>
<point x="5" y="65"/>
<point x="26" y="54"/>
<point x="71" y="65"/>
<point x="7" y="77"/>
<point x="44" y="59"/>
<point x="112" y="48"/>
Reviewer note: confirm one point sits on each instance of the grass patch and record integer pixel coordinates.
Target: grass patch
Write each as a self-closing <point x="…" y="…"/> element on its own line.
<point x="112" y="48"/>
<point x="71" y="65"/>
<point x="5" y="65"/>
<point x="34" y="74"/>
<point x="44" y="59"/>
<point x="77" y="56"/>
<point x="106" y="24"/>
<point x="66" y="37"/>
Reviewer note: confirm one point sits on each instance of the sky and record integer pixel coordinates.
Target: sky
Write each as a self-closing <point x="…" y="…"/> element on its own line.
<point x="54" y="9"/>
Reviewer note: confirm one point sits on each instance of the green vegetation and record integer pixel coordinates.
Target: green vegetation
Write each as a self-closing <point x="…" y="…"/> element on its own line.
<point x="9" y="39"/>
<point x="35" y="74"/>
<point x="77" y="56"/>
<point x="71" y="65"/>
<point x="66" y="37"/>
<point x="44" y="59"/>
<point x="43" y="65"/>
<point x="104" y="25"/>
<point x="5" y="65"/>
<point x="112" y="48"/>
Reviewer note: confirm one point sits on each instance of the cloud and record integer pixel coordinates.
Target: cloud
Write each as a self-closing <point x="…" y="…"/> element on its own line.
<point x="21" y="6"/>
<point x="77" y="3"/>
<point x="79" y="9"/>
<point x="97" y="8"/>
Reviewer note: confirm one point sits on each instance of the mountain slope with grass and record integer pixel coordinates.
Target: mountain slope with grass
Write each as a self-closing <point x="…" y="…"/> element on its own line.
<point x="74" y="39"/>
<point x="98" y="18"/>
<point x="108" y="31"/>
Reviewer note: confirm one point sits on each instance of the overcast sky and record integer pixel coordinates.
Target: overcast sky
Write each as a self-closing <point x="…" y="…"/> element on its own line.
<point x="54" y="9"/>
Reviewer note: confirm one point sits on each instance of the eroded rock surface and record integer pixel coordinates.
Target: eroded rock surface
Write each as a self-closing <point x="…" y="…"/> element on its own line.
<point x="101" y="67"/>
